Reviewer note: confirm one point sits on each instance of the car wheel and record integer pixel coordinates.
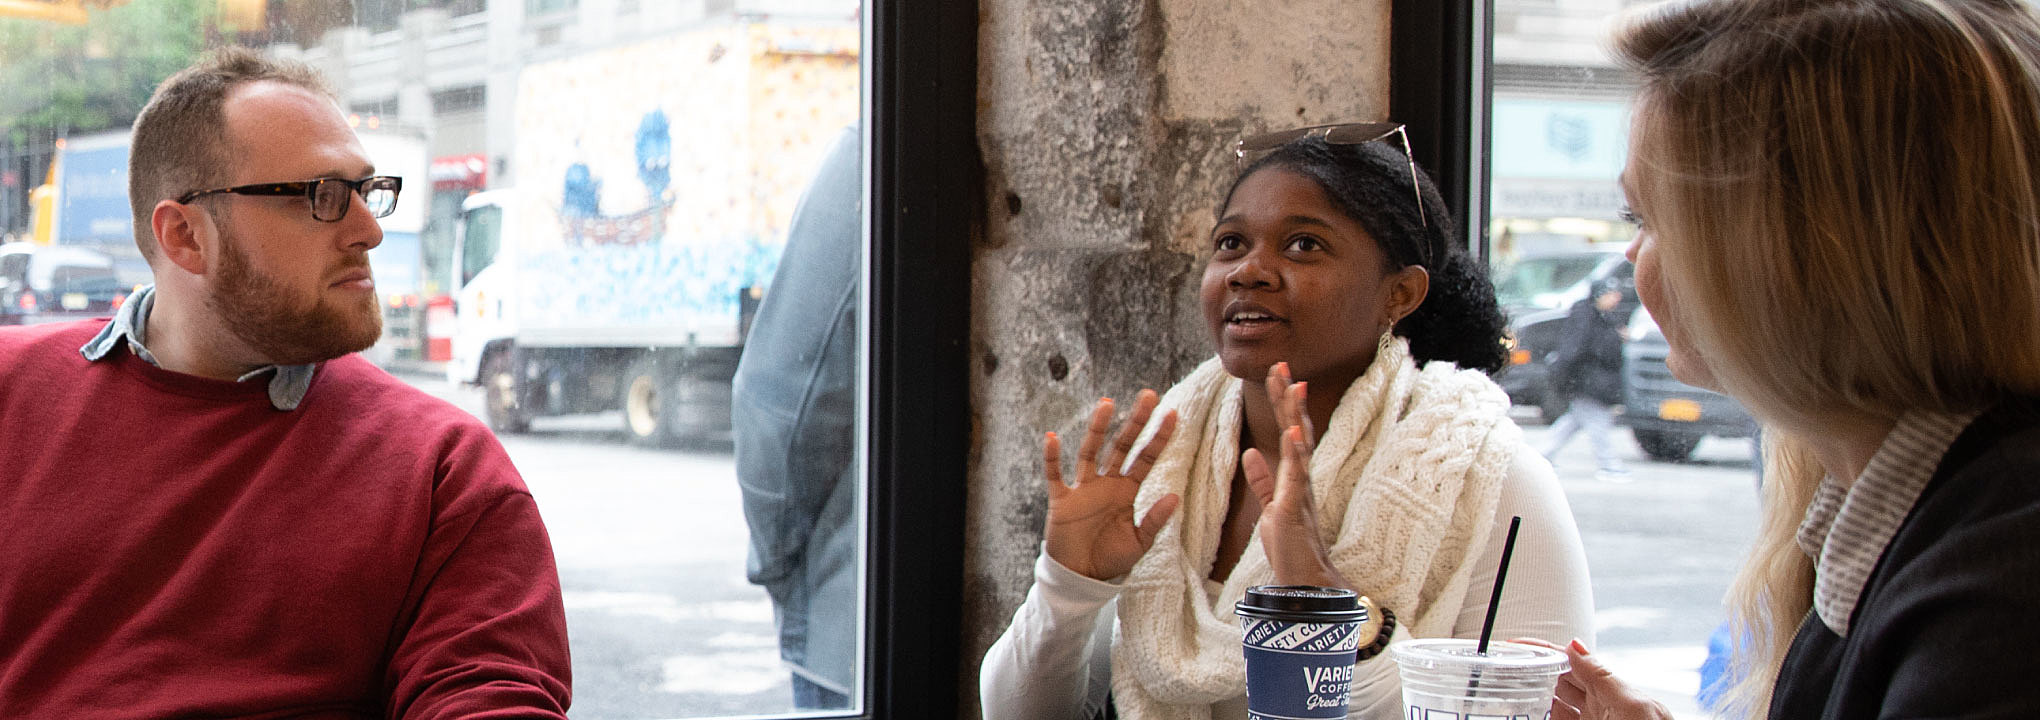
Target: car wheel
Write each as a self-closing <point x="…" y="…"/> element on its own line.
<point x="503" y="405"/>
<point x="1667" y="446"/>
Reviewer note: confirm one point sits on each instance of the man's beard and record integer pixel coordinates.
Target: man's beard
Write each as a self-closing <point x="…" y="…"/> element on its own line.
<point x="262" y="313"/>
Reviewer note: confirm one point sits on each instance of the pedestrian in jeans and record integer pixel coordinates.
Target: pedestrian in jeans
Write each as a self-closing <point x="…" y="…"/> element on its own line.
<point x="795" y="420"/>
<point x="1589" y="371"/>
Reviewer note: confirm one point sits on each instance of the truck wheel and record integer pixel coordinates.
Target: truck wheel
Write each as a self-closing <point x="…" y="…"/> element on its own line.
<point x="645" y="411"/>
<point x="503" y="405"/>
<point x="1667" y="446"/>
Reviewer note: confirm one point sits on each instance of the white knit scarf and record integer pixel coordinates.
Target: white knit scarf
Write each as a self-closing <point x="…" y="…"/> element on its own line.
<point x="1405" y="482"/>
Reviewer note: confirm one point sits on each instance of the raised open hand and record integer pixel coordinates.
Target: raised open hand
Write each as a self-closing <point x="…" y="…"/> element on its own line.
<point x="1288" y="525"/>
<point x="1090" y="524"/>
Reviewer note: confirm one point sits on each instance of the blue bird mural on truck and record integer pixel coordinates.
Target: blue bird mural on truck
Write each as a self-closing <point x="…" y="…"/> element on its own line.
<point x="582" y="196"/>
<point x="655" y="155"/>
<point x="581" y="193"/>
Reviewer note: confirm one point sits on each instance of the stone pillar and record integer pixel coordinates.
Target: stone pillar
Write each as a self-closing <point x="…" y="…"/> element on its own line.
<point x="332" y="55"/>
<point x="414" y="92"/>
<point x="506" y="55"/>
<point x="1104" y="128"/>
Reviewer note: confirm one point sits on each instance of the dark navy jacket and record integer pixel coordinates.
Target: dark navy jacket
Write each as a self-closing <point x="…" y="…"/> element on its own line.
<point x="1949" y="624"/>
<point x="1589" y="362"/>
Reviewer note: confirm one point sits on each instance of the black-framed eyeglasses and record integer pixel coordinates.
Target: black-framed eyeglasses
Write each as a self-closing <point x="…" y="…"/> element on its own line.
<point x="1246" y="150"/>
<point x="329" y="197"/>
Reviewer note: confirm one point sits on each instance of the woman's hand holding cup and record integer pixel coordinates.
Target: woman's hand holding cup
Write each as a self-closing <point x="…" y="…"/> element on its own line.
<point x="1288" y="526"/>
<point x="1590" y="692"/>
<point x="1091" y="527"/>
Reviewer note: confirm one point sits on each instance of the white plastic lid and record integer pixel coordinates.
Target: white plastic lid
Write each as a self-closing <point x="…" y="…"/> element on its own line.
<point x="1459" y="656"/>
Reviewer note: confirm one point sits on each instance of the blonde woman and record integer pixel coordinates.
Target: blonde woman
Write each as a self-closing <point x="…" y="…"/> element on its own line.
<point x="1840" y="202"/>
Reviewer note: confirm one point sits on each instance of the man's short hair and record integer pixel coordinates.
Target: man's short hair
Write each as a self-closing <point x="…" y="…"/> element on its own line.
<point x="180" y="137"/>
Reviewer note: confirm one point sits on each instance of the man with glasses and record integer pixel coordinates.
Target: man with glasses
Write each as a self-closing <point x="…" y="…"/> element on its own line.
<point x="213" y="507"/>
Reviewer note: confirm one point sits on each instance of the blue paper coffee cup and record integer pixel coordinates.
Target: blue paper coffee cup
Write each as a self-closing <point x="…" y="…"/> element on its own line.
<point x="1300" y="641"/>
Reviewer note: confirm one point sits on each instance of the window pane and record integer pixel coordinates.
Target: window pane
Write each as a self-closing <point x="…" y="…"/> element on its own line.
<point x="630" y="239"/>
<point x="540" y="7"/>
<point x="478" y="241"/>
<point x="1559" y="124"/>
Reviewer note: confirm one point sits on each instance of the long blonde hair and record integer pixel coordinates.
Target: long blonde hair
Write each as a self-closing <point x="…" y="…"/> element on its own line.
<point x="1845" y="196"/>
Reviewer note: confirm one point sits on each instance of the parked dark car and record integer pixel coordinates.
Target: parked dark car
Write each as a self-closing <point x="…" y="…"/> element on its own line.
<point x="48" y="283"/>
<point x="1538" y="292"/>
<point x="1668" y="417"/>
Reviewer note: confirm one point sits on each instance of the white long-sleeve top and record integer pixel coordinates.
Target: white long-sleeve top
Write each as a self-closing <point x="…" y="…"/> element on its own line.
<point x="1054" y="660"/>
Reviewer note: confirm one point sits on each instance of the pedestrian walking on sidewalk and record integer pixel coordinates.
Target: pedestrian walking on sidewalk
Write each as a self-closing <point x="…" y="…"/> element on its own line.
<point x="1588" y="372"/>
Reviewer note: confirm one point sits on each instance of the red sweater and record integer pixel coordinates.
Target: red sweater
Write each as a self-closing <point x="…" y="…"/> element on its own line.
<point x="174" y="546"/>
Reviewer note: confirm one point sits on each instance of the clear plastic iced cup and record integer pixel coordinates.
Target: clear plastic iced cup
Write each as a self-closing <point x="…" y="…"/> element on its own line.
<point x="1448" y="679"/>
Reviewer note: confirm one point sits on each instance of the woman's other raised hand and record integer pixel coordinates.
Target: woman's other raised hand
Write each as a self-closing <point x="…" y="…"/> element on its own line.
<point x="1091" y="528"/>
<point x="1288" y="526"/>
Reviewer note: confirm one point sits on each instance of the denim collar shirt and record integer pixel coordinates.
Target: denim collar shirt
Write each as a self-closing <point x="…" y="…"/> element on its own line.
<point x="287" y="383"/>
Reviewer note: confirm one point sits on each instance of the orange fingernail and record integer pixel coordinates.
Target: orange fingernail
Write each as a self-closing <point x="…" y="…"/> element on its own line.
<point x="1578" y="647"/>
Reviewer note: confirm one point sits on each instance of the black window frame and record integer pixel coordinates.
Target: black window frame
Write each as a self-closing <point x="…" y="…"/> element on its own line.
<point x="384" y="106"/>
<point x="542" y="8"/>
<point x="460" y="99"/>
<point x="924" y="190"/>
<point x="1441" y="56"/>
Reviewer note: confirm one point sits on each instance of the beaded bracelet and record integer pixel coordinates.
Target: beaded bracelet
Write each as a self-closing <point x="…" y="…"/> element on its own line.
<point x="1380" y="636"/>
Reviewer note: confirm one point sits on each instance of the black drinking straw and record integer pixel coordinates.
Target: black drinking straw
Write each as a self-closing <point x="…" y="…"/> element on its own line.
<point x="1494" y="603"/>
<point x="1487" y="627"/>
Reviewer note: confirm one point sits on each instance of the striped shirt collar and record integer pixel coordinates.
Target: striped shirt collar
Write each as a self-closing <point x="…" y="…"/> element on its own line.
<point x="287" y="385"/>
<point x="1847" y="530"/>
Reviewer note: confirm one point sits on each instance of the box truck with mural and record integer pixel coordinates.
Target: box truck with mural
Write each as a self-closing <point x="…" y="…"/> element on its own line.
<point x="648" y="214"/>
<point x="84" y="205"/>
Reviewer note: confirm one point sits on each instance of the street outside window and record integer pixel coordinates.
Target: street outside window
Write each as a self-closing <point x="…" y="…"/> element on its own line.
<point x="598" y="200"/>
<point x="1559" y="123"/>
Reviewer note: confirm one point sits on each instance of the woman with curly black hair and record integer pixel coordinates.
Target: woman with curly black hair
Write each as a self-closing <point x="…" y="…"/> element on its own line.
<point x="1338" y="300"/>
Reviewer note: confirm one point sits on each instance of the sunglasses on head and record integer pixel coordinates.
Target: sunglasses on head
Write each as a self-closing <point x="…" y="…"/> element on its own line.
<point x="1247" y="150"/>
